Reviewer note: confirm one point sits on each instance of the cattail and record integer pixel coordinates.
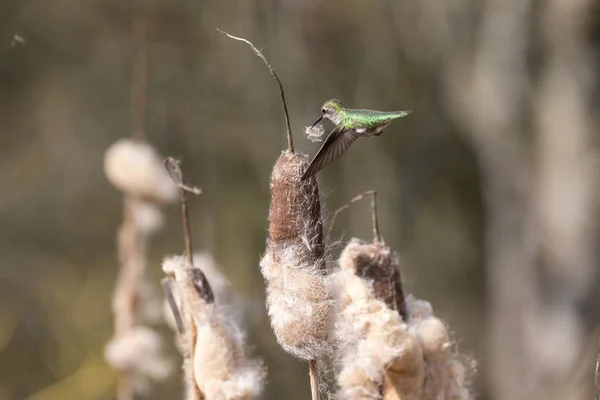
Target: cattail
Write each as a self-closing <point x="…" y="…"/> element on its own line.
<point x="229" y="301"/>
<point x="136" y="168"/>
<point x="218" y="362"/>
<point x="298" y="300"/>
<point x="394" y="348"/>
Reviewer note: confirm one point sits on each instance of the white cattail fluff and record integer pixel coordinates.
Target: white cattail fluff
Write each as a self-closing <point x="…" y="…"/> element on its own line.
<point x="383" y="356"/>
<point x="136" y="168"/>
<point x="139" y="350"/>
<point x="299" y="306"/>
<point x="146" y="215"/>
<point x="219" y="363"/>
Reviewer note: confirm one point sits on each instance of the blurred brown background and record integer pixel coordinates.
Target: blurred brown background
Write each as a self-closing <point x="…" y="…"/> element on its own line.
<point x="489" y="190"/>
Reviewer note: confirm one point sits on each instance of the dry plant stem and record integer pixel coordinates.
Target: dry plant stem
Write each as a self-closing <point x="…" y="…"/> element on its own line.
<point x="374" y="219"/>
<point x="139" y="78"/>
<point x="314" y="379"/>
<point x="290" y="141"/>
<point x="173" y="168"/>
<point x="187" y="233"/>
<point x="133" y="264"/>
<point x="130" y="244"/>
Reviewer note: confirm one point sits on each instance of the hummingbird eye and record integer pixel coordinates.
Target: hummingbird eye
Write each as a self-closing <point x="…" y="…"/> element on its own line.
<point x="323" y="111"/>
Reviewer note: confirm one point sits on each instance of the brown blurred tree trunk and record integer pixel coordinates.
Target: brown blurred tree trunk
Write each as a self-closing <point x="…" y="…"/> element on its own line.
<point x="538" y="193"/>
<point x="563" y="193"/>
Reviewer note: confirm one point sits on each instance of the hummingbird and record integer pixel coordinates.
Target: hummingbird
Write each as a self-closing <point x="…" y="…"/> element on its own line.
<point x="350" y="125"/>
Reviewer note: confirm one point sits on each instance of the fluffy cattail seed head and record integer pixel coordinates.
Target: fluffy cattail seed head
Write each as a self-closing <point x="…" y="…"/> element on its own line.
<point x="388" y="355"/>
<point x="377" y="264"/>
<point x="298" y="299"/>
<point x="136" y="168"/>
<point x="218" y="363"/>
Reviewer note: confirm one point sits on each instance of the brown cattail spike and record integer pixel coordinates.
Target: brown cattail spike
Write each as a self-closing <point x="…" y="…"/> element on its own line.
<point x="298" y="301"/>
<point x="201" y="285"/>
<point x="378" y="264"/>
<point x="295" y="213"/>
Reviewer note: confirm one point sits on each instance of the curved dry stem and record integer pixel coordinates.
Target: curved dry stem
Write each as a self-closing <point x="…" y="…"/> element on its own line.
<point x="374" y="219"/>
<point x="272" y="71"/>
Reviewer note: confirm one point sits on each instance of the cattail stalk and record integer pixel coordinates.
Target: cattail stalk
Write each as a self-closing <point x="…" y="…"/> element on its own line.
<point x="213" y="345"/>
<point x="135" y="168"/>
<point x="298" y="301"/>
<point x="193" y="391"/>
<point x="218" y="363"/>
<point x="125" y="301"/>
<point x="143" y="193"/>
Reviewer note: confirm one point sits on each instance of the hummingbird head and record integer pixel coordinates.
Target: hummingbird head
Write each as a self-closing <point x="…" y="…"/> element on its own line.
<point x="332" y="110"/>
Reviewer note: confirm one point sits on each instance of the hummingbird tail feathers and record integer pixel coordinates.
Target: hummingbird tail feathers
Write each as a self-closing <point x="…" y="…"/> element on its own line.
<point x="404" y="113"/>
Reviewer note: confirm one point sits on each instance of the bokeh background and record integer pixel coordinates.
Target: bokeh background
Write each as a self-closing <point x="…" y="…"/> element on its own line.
<point x="489" y="190"/>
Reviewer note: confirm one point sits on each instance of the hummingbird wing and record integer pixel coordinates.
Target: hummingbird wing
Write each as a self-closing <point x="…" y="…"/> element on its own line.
<point x="334" y="146"/>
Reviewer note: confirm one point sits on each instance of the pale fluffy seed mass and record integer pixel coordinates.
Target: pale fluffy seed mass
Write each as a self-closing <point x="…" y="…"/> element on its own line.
<point x="314" y="133"/>
<point x="220" y="365"/>
<point x="413" y="360"/>
<point x="299" y="305"/>
<point x="137" y="168"/>
<point x="139" y="350"/>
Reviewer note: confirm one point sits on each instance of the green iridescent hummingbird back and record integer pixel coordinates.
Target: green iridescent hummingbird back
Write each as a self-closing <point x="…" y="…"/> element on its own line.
<point x="368" y="119"/>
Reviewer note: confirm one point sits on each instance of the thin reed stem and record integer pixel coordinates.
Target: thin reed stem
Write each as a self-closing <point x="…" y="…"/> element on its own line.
<point x="187" y="232"/>
<point x="130" y="244"/>
<point x="126" y="298"/>
<point x="290" y="141"/>
<point x="374" y="219"/>
<point x="174" y="169"/>
<point x="314" y="379"/>
<point x="139" y="78"/>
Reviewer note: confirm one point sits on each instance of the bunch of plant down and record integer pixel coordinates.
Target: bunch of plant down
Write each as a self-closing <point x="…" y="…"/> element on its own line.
<point x="390" y="347"/>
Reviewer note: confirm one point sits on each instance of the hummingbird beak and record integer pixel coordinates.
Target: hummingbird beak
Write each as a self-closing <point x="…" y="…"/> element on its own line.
<point x="316" y="122"/>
